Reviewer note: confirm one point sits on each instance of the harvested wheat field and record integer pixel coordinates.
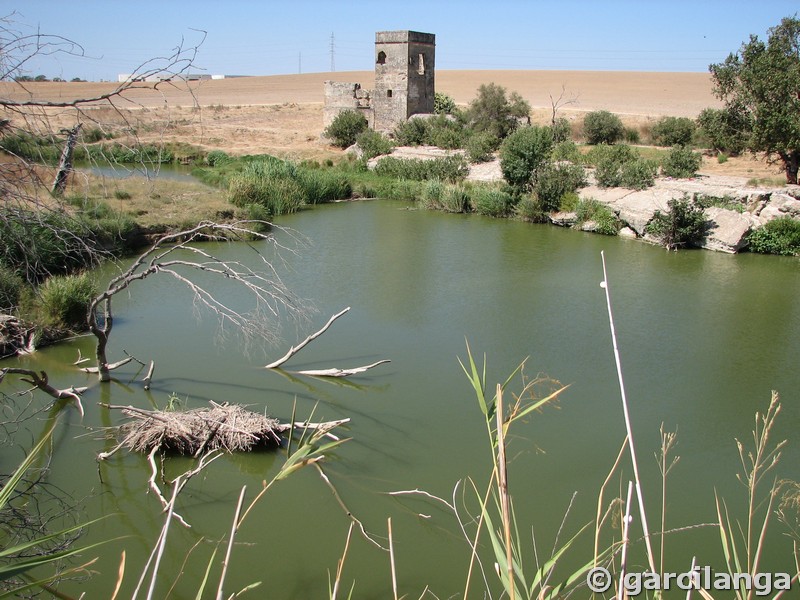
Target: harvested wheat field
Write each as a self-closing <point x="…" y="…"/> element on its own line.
<point x="282" y="114"/>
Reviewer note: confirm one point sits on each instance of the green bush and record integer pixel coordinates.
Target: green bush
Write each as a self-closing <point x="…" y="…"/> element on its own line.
<point x="681" y="162"/>
<point x="609" y="161"/>
<point x="554" y="181"/>
<point x="493" y="112"/>
<point x="567" y="150"/>
<point x="373" y="143"/>
<point x="530" y="209"/>
<point x="345" y="127"/>
<point x="481" y="146"/>
<point x="673" y="131"/>
<point x="272" y="184"/>
<point x="779" y="236"/>
<point x="122" y="195"/>
<point x="443" y="104"/>
<point x="725" y="131"/>
<point x="602" y="127"/>
<point x="11" y="286"/>
<point x="605" y="219"/>
<point x="638" y="174"/>
<point x="413" y="132"/>
<point x="562" y="130"/>
<point x="63" y="301"/>
<point x="216" y="158"/>
<point x="524" y="153"/>
<point x="492" y="202"/>
<point x="684" y="224"/>
<point x="451" y="168"/>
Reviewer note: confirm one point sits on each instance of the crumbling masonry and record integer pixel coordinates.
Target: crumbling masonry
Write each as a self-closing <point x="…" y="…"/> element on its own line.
<point x="404" y="82"/>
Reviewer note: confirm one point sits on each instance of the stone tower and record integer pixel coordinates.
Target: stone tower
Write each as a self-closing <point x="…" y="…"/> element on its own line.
<point x="404" y="76"/>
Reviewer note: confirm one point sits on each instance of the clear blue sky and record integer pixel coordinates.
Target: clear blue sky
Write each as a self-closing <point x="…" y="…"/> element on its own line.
<point x="287" y="36"/>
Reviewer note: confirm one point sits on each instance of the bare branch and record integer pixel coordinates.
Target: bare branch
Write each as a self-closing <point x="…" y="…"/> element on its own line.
<point x="41" y="381"/>
<point x="295" y="349"/>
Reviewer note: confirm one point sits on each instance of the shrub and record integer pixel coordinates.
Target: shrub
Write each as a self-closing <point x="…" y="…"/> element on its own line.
<point x="673" y="131"/>
<point x="492" y="202"/>
<point x="604" y="218"/>
<point x="638" y="174"/>
<point x="556" y="180"/>
<point x="562" y="130"/>
<point x="524" y="153"/>
<point x="491" y="111"/>
<point x="567" y="150"/>
<point x="608" y="161"/>
<point x="122" y="195"/>
<point x="724" y="130"/>
<point x="11" y="286"/>
<point x="345" y="127"/>
<point x="530" y="209"/>
<point x="779" y="236"/>
<point x="681" y="162"/>
<point x="683" y="224"/>
<point x="602" y="127"/>
<point x="413" y="132"/>
<point x="63" y="301"/>
<point x="481" y="146"/>
<point x="443" y="104"/>
<point x="373" y="143"/>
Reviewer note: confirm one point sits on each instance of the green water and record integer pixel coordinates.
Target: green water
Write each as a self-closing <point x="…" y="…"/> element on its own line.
<point x="704" y="338"/>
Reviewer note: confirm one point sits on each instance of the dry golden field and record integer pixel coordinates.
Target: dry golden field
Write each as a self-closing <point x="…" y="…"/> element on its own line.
<point x="282" y="114"/>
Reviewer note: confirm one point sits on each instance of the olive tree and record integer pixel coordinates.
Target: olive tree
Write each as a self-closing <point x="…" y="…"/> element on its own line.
<point x="493" y="112"/>
<point x="762" y="82"/>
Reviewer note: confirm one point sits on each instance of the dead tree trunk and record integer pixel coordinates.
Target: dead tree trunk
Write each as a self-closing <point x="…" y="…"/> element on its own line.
<point x="65" y="165"/>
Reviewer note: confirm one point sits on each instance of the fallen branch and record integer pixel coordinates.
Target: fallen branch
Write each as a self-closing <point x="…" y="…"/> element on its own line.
<point x="340" y="372"/>
<point x="110" y="367"/>
<point x="295" y="349"/>
<point x="149" y="377"/>
<point x="40" y="381"/>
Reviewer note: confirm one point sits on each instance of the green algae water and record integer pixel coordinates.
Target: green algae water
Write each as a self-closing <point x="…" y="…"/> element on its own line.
<point x="704" y="338"/>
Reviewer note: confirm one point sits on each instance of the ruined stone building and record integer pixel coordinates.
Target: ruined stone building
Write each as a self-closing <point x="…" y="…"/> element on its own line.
<point x="404" y="82"/>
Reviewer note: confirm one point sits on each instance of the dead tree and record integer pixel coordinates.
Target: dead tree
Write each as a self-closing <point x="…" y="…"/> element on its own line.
<point x="65" y="164"/>
<point x="168" y="256"/>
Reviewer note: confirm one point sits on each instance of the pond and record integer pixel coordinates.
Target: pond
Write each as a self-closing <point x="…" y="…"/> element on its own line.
<point x="703" y="337"/>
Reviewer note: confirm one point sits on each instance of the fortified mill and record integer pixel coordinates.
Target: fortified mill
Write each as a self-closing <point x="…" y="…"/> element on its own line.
<point x="404" y="82"/>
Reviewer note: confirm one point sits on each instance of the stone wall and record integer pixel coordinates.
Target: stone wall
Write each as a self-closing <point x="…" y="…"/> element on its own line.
<point x="341" y="96"/>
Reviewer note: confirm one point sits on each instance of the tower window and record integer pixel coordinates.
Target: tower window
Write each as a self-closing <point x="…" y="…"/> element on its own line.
<point x="421" y="66"/>
<point x="388" y="93"/>
<point x="381" y="57"/>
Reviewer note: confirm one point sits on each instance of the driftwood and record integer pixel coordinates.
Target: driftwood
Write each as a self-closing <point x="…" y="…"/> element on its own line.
<point x="295" y="349"/>
<point x="334" y="372"/>
<point x="41" y="381"/>
<point x="228" y="427"/>
<point x="341" y="372"/>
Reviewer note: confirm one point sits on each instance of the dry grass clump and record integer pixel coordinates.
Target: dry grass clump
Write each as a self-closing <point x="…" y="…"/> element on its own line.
<point x="228" y="427"/>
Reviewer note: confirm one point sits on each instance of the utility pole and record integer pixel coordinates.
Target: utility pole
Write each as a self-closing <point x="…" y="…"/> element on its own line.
<point x="299" y="63"/>
<point x="333" y="51"/>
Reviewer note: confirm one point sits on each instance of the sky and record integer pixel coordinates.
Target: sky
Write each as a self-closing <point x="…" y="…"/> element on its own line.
<point x="250" y="37"/>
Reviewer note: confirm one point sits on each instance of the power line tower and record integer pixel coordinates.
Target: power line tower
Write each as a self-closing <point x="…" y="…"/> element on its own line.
<point x="333" y="54"/>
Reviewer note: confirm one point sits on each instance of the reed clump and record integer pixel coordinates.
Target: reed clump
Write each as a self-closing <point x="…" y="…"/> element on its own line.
<point x="228" y="427"/>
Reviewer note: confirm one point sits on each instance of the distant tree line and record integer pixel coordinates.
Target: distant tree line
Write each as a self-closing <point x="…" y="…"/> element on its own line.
<point x="41" y="78"/>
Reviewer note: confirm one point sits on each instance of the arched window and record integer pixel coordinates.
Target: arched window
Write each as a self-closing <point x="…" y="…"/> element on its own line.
<point x="421" y="65"/>
<point x="381" y="57"/>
